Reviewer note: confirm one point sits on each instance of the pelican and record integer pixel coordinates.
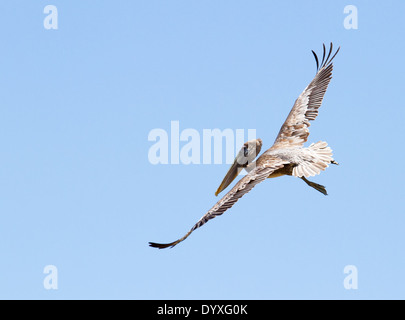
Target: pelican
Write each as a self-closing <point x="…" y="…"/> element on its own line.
<point x="287" y="156"/>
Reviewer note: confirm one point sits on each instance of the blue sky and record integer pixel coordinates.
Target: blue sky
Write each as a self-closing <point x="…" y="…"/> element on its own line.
<point x="79" y="192"/>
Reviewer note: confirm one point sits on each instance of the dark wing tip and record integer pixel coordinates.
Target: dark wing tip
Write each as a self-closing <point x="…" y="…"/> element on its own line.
<point x="323" y="56"/>
<point x="334" y="54"/>
<point x="171" y="244"/>
<point x="316" y="59"/>
<point x="328" y="60"/>
<point x="330" y="52"/>
<point x="161" y="245"/>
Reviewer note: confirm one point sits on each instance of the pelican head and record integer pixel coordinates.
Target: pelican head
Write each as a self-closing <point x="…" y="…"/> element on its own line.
<point x="246" y="155"/>
<point x="248" y="152"/>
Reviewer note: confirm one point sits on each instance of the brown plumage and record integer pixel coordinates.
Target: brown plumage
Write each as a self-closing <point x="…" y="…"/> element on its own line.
<point x="287" y="156"/>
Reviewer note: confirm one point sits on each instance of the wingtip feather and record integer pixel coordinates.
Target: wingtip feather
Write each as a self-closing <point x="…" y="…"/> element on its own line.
<point x="161" y="245"/>
<point x="328" y="60"/>
<point x="316" y="59"/>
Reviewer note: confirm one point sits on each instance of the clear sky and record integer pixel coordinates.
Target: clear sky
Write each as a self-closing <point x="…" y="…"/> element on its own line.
<point x="78" y="191"/>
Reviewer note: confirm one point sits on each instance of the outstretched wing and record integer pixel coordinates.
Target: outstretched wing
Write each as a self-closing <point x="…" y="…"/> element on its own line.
<point x="244" y="185"/>
<point x="294" y="131"/>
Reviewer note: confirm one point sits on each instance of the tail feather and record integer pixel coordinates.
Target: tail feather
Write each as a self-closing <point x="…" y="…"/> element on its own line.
<point x="319" y="157"/>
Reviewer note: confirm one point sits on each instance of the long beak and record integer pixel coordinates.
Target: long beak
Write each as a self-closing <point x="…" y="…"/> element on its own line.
<point x="232" y="173"/>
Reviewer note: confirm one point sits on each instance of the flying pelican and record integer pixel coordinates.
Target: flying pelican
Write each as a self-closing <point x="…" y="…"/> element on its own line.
<point x="287" y="156"/>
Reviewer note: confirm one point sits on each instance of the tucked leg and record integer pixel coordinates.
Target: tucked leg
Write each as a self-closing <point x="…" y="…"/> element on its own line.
<point x="316" y="186"/>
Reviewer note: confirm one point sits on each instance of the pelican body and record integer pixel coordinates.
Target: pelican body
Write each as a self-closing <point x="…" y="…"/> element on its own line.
<point x="287" y="156"/>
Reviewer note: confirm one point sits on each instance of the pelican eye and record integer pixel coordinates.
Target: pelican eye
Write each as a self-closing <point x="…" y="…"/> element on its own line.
<point x="245" y="151"/>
